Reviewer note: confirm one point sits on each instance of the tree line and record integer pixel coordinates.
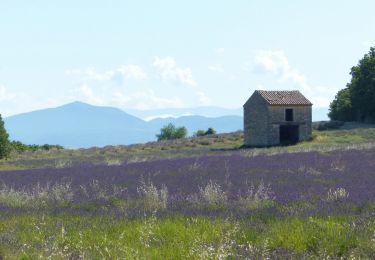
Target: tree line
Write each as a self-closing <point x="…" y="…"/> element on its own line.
<point x="171" y="132"/>
<point x="356" y="102"/>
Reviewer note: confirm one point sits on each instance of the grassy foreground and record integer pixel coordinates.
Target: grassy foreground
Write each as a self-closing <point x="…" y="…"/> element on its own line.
<point x="63" y="236"/>
<point x="193" y="199"/>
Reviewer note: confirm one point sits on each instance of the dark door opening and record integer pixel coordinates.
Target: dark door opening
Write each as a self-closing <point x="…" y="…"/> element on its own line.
<point x="289" y="134"/>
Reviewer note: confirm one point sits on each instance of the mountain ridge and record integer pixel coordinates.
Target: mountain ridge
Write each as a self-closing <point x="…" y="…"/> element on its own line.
<point x="78" y="124"/>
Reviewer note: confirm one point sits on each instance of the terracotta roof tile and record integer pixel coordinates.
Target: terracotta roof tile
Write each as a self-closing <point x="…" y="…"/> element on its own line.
<point x="284" y="97"/>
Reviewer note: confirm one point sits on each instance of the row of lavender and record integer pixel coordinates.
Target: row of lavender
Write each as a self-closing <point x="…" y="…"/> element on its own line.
<point x="283" y="178"/>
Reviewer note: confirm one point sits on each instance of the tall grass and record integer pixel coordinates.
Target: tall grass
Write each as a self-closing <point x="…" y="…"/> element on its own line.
<point x="258" y="196"/>
<point x="213" y="195"/>
<point x="63" y="236"/>
<point x="152" y="198"/>
<point x="39" y="196"/>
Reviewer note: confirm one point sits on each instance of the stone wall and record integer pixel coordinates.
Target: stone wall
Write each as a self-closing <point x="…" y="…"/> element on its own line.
<point x="256" y="121"/>
<point x="302" y="116"/>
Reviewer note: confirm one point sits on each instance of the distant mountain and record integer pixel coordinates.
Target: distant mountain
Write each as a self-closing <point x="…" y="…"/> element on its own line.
<point x="81" y="125"/>
<point x="222" y="124"/>
<point x="179" y="112"/>
<point x="318" y="114"/>
<point x="76" y="125"/>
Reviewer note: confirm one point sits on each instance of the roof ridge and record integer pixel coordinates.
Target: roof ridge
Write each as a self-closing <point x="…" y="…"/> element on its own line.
<point x="283" y="97"/>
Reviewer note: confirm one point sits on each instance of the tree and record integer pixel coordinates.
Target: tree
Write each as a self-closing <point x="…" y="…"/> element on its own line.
<point x="357" y="100"/>
<point x="181" y="132"/>
<point x="341" y="107"/>
<point x="167" y="132"/>
<point x="200" y="133"/>
<point x="170" y="132"/>
<point x="4" y="141"/>
<point x="362" y="88"/>
<point x="210" y="131"/>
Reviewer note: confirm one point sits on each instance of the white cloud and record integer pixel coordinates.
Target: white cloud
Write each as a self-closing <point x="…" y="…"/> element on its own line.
<point x="277" y="64"/>
<point x="143" y="99"/>
<point x="86" y="94"/>
<point x="169" y="71"/>
<point x="146" y="99"/>
<point x="118" y="75"/>
<point x="132" y="72"/>
<point x="203" y="99"/>
<point x="216" y="68"/>
<point x="12" y="103"/>
<point x="90" y="73"/>
<point x="274" y="62"/>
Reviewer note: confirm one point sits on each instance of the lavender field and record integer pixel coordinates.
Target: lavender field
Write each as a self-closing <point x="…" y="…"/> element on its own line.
<point x="290" y="177"/>
<point x="225" y="205"/>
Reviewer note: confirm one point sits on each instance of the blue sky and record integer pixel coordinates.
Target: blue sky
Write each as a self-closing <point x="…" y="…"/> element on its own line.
<point x="159" y="54"/>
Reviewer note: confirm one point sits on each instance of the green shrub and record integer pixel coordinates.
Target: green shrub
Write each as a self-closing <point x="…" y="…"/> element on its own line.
<point x="200" y="132"/>
<point x="171" y="132"/>
<point x="20" y="147"/>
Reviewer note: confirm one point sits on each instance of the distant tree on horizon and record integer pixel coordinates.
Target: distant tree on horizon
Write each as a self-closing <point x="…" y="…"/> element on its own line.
<point x="4" y="141"/>
<point x="200" y="132"/>
<point x="171" y="132"/>
<point x="210" y="131"/>
<point x="20" y="147"/>
<point x="356" y="102"/>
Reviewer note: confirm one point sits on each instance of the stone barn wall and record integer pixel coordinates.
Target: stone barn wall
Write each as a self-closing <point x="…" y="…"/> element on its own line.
<point x="302" y="116"/>
<point x="256" y="121"/>
<point x="262" y="119"/>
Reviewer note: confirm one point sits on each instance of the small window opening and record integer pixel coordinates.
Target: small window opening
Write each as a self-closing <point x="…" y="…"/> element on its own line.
<point x="288" y="114"/>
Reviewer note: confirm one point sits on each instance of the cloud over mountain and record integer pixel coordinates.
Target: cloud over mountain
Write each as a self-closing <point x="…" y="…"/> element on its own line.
<point x="169" y="71"/>
<point x="276" y="64"/>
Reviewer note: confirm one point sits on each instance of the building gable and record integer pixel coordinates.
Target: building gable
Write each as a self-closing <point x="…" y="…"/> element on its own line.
<point x="284" y="97"/>
<point x="255" y="98"/>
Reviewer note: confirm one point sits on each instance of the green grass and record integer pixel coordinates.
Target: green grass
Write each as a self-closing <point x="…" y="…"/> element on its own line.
<point x="316" y="235"/>
<point x="179" y="237"/>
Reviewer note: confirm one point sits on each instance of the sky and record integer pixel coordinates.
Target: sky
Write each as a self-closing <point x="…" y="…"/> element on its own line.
<point x="171" y="54"/>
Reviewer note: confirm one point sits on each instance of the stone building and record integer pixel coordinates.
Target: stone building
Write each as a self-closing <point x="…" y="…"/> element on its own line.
<point x="276" y="117"/>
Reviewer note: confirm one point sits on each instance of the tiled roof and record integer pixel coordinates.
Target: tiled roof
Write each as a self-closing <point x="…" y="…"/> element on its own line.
<point x="283" y="97"/>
